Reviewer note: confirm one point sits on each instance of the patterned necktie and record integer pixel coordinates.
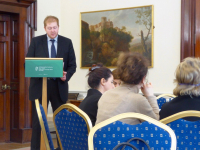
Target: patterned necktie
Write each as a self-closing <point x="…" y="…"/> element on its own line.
<point x="53" y="49"/>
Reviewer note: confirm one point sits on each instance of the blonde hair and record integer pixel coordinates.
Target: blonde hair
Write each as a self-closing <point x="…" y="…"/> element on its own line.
<point x="188" y="77"/>
<point x="50" y="19"/>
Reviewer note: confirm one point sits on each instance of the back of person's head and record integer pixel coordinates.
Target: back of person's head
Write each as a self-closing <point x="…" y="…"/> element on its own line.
<point x="117" y="80"/>
<point x="132" y="67"/>
<point x="188" y="77"/>
<point x="50" y="19"/>
<point x="115" y="74"/>
<point x="96" y="73"/>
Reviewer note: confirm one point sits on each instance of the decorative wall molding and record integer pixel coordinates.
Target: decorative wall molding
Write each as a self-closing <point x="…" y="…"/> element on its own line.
<point x="21" y="3"/>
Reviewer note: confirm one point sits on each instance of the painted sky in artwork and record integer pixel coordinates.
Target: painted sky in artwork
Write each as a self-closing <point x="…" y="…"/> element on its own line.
<point x="123" y="17"/>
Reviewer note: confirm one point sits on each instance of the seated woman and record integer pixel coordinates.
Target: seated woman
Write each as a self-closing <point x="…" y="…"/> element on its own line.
<point x="132" y="70"/>
<point x="187" y="89"/>
<point x="100" y="79"/>
<point x="117" y="80"/>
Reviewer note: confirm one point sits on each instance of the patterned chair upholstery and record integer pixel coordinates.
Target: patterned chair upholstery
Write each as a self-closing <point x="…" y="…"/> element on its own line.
<point x="109" y="133"/>
<point x="163" y="98"/>
<point x="72" y="127"/>
<point x="44" y="126"/>
<point x="187" y="132"/>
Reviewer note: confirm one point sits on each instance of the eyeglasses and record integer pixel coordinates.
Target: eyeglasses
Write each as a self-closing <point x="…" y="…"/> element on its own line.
<point x="116" y="83"/>
<point x="146" y="81"/>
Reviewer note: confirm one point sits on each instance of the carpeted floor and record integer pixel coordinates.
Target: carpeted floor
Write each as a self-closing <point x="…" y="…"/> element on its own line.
<point x="19" y="146"/>
<point x="25" y="148"/>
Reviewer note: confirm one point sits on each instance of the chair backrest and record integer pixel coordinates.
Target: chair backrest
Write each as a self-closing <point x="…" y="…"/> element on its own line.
<point x="187" y="132"/>
<point x="111" y="132"/>
<point x="163" y="98"/>
<point x="72" y="128"/>
<point x="44" y="126"/>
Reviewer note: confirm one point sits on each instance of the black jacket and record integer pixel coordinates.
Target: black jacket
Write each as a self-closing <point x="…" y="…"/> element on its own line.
<point x="90" y="104"/>
<point x="181" y="103"/>
<point x="65" y="50"/>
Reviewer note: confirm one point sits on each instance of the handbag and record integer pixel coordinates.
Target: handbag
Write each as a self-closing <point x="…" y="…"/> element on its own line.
<point x="124" y="144"/>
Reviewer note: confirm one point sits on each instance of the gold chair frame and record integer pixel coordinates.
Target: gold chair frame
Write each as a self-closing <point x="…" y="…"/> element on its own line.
<point x="167" y="95"/>
<point x="74" y="108"/>
<point x="182" y="114"/>
<point x="42" y="124"/>
<point x="131" y="115"/>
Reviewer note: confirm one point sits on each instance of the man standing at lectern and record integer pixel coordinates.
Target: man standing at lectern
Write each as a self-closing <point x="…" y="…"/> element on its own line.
<point x="50" y="45"/>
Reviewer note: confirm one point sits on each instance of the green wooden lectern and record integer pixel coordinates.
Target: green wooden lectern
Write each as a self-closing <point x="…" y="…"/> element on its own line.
<point x="44" y="67"/>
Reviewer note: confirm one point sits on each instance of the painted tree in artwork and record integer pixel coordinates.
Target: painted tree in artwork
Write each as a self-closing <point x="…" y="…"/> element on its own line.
<point x="144" y="18"/>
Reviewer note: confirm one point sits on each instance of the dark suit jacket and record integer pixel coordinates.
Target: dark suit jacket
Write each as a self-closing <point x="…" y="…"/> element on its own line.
<point x="90" y="104"/>
<point x="181" y="103"/>
<point x="65" y="50"/>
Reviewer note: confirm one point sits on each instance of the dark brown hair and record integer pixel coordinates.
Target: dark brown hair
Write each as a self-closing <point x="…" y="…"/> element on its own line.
<point x="97" y="72"/>
<point x="50" y="19"/>
<point x="132" y="67"/>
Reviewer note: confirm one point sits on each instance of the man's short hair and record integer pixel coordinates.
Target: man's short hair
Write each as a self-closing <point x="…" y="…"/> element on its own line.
<point x="50" y="19"/>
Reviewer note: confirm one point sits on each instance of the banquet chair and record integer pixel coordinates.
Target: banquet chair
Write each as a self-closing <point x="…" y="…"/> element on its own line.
<point x="72" y="127"/>
<point x="187" y="132"/>
<point x="111" y="132"/>
<point x="44" y="126"/>
<point x="163" y="98"/>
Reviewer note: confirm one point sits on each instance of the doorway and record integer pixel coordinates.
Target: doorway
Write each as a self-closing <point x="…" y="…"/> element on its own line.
<point x="17" y="26"/>
<point x="9" y="39"/>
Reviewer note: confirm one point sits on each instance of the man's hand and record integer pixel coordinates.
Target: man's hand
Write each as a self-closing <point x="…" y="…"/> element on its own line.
<point x="64" y="76"/>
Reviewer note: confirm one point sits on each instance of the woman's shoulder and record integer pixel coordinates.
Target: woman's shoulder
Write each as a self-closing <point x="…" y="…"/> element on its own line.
<point x="93" y="93"/>
<point x="89" y="100"/>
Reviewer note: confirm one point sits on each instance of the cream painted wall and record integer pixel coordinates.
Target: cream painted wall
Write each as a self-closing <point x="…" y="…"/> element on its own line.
<point x="166" y="34"/>
<point x="46" y="8"/>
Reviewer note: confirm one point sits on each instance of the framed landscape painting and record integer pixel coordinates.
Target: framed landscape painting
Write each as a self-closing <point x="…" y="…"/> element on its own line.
<point x="105" y="34"/>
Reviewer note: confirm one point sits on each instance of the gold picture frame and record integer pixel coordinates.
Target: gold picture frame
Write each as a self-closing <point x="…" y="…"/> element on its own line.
<point x="106" y="33"/>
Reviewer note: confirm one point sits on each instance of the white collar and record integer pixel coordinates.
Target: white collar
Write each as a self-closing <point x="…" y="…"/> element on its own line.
<point x="56" y="38"/>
